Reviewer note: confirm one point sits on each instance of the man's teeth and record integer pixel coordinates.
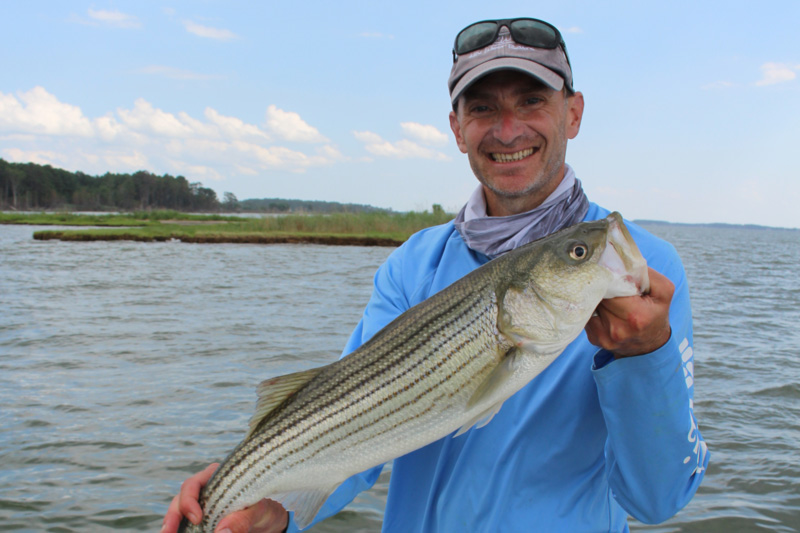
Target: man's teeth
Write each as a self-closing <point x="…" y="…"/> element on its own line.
<point x="516" y="156"/>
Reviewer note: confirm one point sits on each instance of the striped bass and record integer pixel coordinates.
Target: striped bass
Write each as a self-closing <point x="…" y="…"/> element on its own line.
<point x="445" y="365"/>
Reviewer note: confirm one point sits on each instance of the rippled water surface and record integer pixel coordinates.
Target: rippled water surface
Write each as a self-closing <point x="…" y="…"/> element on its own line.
<point x="124" y="367"/>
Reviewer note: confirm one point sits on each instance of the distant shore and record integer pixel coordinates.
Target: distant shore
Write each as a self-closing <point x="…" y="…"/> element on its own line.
<point x="336" y="240"/>
<point x="711" y="225"/>
<point x="341" y="229"/>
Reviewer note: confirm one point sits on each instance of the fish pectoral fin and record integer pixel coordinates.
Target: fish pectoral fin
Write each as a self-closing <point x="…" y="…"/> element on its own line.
<point x="305" y="503"/>
<point x="480" y="420"/>
<point x="496" y="378"/>
<point x="495" y="381"/>
<point x="275" y="391"/>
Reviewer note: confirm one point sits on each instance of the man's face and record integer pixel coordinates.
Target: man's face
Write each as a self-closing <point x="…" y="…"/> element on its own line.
<point x="514" y="130"/>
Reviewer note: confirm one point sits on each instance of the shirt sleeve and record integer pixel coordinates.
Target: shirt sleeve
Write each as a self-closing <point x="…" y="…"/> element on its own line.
<point x="655" y="455"/>
<point x="386" y="303"/>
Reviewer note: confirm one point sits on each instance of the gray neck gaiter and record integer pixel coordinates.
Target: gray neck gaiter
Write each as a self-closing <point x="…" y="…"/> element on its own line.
<point x="494" y="236"/>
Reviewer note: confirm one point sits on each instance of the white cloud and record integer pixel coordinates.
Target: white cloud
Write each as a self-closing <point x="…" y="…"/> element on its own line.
<point x="38" y="111"/>
<point x="273" y="156"/>
<point x="773" y="73"/>
<point x="126" y="160"/>
<point x="204" y="145"/>
<point x="146" y="118"/>
<point x="289" y="126"/>
<point x="402" y="149"/>
<point x="36" y="126"/>
<point x="198" y="172"/>
<point x="40" y="157"/>
<point x="14" y="137"/>
<point x="108" y="128"/>
<point x="208" y="32"/>
<point x="367" y="137"/>
<point x="423" y="132"/>
<point x="114" y="18"/>
<point x="572" y="29"/>
<point x="331" y="153"/>
<point x="245" y="171"/>
<point x="233" y="127"/>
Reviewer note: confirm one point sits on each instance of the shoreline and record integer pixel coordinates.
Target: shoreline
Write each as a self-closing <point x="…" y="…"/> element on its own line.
<point x="351" y="229"/>
<point x="331" y="240"/>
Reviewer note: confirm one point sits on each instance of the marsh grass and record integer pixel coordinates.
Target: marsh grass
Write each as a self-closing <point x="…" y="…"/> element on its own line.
<point x="137" y="218"/>
<point x="389" y="225"/>
<point x="339" y="228"/>
<point x="70" y="219"/>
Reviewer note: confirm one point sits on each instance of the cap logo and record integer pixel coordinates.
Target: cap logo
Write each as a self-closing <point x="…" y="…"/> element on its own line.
<point x="548" y="64"/>
<point x="504" y="40"/>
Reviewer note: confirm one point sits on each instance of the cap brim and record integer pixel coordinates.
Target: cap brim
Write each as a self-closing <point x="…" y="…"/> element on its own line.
<point x="547" y="76"/>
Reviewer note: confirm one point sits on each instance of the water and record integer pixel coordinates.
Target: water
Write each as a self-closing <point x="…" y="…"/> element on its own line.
<point x="125" y="367"/>
<point x="745" y="292"/>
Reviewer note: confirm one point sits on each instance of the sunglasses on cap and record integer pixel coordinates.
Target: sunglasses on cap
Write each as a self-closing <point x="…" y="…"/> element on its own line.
<point x="530" y="32"/>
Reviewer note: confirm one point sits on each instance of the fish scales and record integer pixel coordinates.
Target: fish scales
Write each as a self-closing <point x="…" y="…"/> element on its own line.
<point x="394" y="366"/>
<point x="445" y="364"/>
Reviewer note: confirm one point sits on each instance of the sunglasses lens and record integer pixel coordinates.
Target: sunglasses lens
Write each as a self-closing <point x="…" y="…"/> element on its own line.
<point x="476" y="36"/>
<point x="534" y="33"/>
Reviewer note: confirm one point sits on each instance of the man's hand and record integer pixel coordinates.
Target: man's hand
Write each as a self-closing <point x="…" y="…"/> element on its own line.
<point x="265" y="516"/>
<point x="634" y="325"/>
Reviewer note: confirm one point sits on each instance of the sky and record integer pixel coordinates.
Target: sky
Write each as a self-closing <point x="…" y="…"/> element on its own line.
<point x="692" y="108"/>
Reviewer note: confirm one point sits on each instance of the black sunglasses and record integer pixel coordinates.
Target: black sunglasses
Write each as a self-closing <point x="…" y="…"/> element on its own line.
<point x="530" y="32"/>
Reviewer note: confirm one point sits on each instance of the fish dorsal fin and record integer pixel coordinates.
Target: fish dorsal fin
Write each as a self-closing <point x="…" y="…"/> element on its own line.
<point x="495" y="381"/>
<point x="275" y="391"/>
<point x="305" y="503"/>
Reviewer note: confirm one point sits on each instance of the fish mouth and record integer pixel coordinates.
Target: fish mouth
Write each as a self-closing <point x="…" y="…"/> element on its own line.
<point x="499" y="157"/>
<point x="624" y="260"/>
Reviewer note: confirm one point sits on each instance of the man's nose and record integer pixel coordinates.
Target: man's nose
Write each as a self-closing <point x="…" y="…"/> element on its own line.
<point x="508" y="126"/>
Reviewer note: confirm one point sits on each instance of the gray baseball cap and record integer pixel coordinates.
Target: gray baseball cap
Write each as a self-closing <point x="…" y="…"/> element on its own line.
<point x="550" y="65"/>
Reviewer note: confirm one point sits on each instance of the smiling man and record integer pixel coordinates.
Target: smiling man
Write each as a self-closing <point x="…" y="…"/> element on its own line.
<point x="514" y="129"/>
<point x="608" y="429"/>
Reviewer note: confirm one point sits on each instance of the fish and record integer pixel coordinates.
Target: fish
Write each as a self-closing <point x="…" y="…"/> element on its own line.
<point x="445" y="366"/>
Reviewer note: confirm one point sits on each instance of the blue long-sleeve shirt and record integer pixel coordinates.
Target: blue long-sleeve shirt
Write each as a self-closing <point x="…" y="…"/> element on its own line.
<point x="587" y="442"/>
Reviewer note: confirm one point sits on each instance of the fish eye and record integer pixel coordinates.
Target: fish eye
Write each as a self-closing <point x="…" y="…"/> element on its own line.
<point x="578" y="251"/>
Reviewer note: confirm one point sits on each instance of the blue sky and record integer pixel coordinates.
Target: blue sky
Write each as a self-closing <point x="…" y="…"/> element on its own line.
<point x="692" y="108"/>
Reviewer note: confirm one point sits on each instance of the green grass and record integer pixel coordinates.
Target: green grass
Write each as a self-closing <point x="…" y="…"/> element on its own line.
<point x="137" y="218"/>
<point x="387" y="225"/>
<point x="69" y="219"/>
<point x="166" y="225"/>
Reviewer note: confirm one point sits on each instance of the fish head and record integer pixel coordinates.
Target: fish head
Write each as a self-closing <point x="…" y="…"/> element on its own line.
<point x="554" y="284"/>
<point x="623" y="259"/>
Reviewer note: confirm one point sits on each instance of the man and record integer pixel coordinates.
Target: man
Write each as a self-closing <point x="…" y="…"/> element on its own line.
<point x="601" y="433"/>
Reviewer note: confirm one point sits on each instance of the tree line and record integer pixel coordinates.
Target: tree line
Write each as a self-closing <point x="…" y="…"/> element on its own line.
<point x="283" y="205"/>
<point x="29" y="186"/>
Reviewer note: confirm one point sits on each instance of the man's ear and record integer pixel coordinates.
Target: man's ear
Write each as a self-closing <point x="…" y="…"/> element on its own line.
<point x="456" y="127"/>
<point x="574" y="114"/>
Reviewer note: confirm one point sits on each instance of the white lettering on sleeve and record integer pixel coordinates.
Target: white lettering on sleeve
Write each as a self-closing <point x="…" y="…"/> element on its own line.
<point x="699" y="449"/>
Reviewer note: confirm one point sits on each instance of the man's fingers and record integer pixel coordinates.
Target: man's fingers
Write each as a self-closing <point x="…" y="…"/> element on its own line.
<point x="661" y="287"/>
<point x="240" y="521"/>
<point x="616" y="307"/>
<point x="190" y="493"/>
<point x="640" y="309"/>
<point x="633" y="325"/>
<point x="595" y="331"/>
<point x="172" y="519"/>
<point x="265" y="516"/>
<point x="661" y="291"/>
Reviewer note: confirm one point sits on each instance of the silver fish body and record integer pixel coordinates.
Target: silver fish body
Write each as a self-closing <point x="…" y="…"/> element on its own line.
<point x="446" y="364"/>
